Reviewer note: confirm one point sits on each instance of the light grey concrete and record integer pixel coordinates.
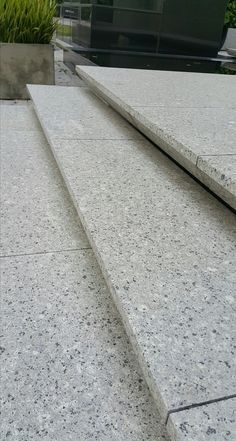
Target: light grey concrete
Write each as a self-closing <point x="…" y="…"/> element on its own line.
<point x="192" y="132"/>
<point x="230" y="41"/>
<point x="68" y="371"/>
<point x="18" y="117"/>
<point x="63" y="75"/>
<point x="140" y="87"/>
<point x="148" y="231"/>
<point x="221" y="168"/>
<point x="23" y="64"/>
<point x="215" y="422"/>
<point x="27" y="206"/>
<point x="79" y="119"/>
<point x="185" y="114"/>
<point x="167" y="250"/>
<point x="232" y="52"/>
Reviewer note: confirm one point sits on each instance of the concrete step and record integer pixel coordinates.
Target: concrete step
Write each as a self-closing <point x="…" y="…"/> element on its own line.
<point x="191" y="116"/>
<point x="166" y="248"/>
<point x="68" y="371"/>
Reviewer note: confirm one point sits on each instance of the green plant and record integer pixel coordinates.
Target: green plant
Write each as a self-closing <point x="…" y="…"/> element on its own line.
<point x="230" y="17"/>
<point x="27" y="21"/>
<point x="64" y="30"/>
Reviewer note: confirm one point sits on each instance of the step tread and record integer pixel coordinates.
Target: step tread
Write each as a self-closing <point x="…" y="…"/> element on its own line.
<point x="166" y="248"/>
<point x="188" y="115"/>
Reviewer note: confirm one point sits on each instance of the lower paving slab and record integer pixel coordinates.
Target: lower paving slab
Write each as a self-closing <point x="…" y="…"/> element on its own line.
<point x="67" y="370"/>
<point x="186" y="114"/>
<point x="167" y="250"/>
<point x="214" y="422"/>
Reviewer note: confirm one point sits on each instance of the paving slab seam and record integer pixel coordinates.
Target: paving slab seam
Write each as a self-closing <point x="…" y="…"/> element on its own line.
<point x="223" y="154"/>
<point x="177" y="107"/>
<point x="204" y="403"/>
<point x="97" y="139"/>
<point x="38" y="253"/>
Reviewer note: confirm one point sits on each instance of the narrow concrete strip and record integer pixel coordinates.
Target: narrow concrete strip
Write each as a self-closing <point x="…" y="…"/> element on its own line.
<point x="167" y="250"/>
<point x="185" y="114"/>
<point x="214" y="422"/>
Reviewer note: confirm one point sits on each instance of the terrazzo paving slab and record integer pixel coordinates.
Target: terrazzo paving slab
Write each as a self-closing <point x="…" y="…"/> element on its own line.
<point x="221" y="168"/>
<point x="17" y="116"/>
<point x="150" y="255"/>
<point x="150" y="226"/>
<point x="34" y="217"/>
<point x="68" y="371"/>
<point x="215" y="422"/>
<point x="140" y="87"/>
<point x="79" y="119"/>
<point x="185" y="114"/>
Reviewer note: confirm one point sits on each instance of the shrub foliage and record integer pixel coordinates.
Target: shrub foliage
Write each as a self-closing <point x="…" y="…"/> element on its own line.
<point x="230" y="18"/>
<point x="27" y="21"/>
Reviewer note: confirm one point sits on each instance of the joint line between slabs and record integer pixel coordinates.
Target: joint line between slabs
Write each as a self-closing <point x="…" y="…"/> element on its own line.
<point x="204" y="403"/>
<point x="39" y="253"/>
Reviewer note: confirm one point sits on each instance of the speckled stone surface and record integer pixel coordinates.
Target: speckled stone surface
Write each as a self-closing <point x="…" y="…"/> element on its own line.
<point x="150" y="226"/>
<point x="193" y="132"/>
<point x="140" y="87"/>
<point x="167" y="283"/>
<point x="215" y="422"/>
<point x="68" y="371"/>
<point x="186" y="114"/>
<point x="79" y="119"/>
<point x="17" y="116"/>
<point x="222" y="168"/>
<point x="27" y="206"/>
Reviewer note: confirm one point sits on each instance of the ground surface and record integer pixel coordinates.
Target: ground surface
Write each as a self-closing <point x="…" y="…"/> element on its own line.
<point x="68" y="371"/>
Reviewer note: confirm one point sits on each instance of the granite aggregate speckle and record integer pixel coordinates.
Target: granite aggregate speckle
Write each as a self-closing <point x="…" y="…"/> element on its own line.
<point x="68" y="370"/>
<point x="185" y="114"/>
<point x="152" y="88"/>
<point x="213" y="422"/>
<point x="80" y="120"/>
<point x="222" y="168"/>
<point x="18" y="116"/>
<point x="151" y="225"/>
<point x="34" y="197"/>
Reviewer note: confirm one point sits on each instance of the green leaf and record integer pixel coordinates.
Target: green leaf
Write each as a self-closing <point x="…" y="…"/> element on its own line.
<point x="27" y="21"/>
